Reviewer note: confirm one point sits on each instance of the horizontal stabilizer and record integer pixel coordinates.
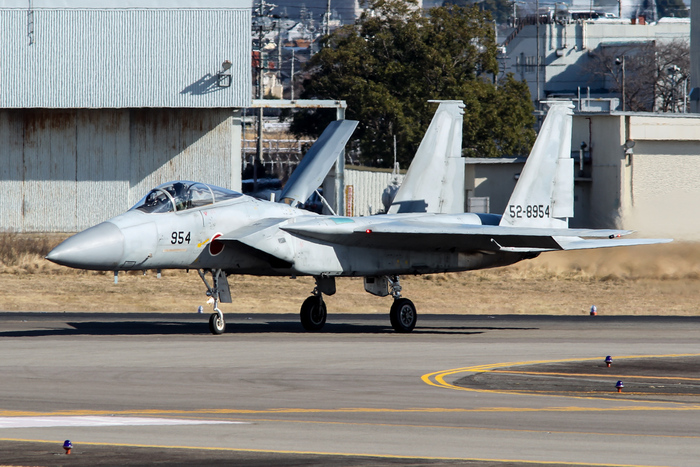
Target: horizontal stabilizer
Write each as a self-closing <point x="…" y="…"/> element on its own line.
<point x="317" y="162"/>
<point x="573" y="243"/>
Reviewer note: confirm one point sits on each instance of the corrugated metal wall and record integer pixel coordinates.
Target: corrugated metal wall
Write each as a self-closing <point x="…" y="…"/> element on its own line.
<point x="119" y="58"/>
<point x="64" y="171"/>
<point x="368" y="186"/>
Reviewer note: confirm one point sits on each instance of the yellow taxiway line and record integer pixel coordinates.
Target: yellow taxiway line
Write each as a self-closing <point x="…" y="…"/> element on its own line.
<point x="437" y="378"/>
<point x="317" y="453"/>
<point x="545" y="373"/>
<point x="300" y="411"/>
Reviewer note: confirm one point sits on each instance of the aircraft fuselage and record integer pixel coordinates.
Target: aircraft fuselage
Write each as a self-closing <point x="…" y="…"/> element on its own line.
<point x="187" y="239"/>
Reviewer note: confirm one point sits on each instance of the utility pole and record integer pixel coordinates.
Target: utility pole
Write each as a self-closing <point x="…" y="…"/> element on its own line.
<point x="623" y="83"/>
<point x="291" y="77"/>
<point x="537" y="61"/>
<point x="621" y="61"/>
<point x="279" y="55"/>
<point x="262" y="12"/>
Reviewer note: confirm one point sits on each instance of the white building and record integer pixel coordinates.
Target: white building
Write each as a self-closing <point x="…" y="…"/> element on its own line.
<point x="565" y="50"/>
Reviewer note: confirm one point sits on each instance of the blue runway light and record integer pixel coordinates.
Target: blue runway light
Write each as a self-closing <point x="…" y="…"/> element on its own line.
<point x="67" y="445"/>
<point x="619" y="386"/>
<point x="608" y="360"/>
<point x="594" y="310"/>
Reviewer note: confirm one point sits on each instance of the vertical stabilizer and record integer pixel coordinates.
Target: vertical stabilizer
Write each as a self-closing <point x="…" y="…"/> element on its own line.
<point x="317" y="162"/>
<point x="544" y="194"/>
<point x="435" y="180"/>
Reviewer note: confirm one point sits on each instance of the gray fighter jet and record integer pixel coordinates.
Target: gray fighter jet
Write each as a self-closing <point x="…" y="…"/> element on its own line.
<point x="190" y="225"/>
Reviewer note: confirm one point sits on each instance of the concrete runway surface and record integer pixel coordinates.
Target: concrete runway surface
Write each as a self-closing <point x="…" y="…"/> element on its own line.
<point x="131" y="389"/>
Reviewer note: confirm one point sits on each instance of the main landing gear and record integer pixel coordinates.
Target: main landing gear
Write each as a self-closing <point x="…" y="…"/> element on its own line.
<point x="313" y="311"/>
<point x="403" y="314"/>
<point x="218" y="292"/>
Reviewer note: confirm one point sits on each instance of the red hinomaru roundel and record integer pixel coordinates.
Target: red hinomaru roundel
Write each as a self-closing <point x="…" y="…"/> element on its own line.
<point x="215" y="247"/>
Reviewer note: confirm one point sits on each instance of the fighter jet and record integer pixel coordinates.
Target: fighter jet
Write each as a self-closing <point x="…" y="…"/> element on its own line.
<point x="216" y="231"/>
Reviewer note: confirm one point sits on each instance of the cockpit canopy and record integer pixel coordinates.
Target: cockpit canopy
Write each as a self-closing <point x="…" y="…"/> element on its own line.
<point x="181" y="196"/>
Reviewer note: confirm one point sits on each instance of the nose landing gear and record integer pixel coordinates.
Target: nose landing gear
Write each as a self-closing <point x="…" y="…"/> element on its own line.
<point x="219" y="292"/>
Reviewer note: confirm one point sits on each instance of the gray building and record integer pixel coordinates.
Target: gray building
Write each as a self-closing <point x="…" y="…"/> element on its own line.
<point x="99" y="104"/>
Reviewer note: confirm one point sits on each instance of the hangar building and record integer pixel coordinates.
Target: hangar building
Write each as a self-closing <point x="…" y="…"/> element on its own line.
<point x="98" y="104"/>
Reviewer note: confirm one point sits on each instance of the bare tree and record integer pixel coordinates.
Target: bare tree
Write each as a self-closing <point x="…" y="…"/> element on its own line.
<point x="651" y="75"/>
<point x="672" y="70"/>
<point x="626" y="69"/>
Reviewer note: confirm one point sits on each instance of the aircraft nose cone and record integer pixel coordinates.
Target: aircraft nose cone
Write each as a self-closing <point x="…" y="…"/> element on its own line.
<point x="100" y="248"/>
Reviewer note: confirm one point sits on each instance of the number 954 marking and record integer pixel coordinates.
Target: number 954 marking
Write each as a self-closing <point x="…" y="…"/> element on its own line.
<point x="531" y="211"/>
<point x="178" y="238"/>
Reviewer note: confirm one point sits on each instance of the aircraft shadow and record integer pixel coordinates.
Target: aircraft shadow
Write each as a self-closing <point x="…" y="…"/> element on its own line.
<point x="140" y="328"/>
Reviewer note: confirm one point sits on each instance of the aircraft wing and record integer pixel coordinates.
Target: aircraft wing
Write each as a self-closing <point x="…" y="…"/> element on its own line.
<point x="316" y="163"/>
<point x="415" y="234"/>
<point x="259" y="239"/>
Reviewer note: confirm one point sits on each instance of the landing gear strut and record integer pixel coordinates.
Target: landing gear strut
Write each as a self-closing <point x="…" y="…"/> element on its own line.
<point x="218" y="292"/>
<point x="313" y="310"/>
<point x="403" y="314"/>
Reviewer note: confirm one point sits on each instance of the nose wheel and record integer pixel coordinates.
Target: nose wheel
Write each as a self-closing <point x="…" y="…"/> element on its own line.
<point x="217" y="325"/>
<point x="218" y="292"/>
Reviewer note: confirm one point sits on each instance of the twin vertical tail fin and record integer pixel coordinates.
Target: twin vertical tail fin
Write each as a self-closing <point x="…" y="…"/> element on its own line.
<point x="544" y="193"/>
<point x="437" y="161"/>
<point x="317" y="162"/>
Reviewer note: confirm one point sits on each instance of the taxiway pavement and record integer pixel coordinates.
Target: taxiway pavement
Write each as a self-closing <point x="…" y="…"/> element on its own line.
<point x="135" y="389"/>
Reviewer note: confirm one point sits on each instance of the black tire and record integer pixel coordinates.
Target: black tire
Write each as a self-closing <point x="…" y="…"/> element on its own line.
<point x="313" y="314"/>
<point x="216" y="326"/>
<point x="403" y="315"/>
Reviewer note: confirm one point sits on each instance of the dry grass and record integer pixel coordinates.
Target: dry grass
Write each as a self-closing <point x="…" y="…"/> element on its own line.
<point x="657" y="279"/>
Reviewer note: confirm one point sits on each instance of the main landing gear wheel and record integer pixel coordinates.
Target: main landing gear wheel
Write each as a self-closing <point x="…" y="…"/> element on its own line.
<point x="403" y="315"/>
<point x="313" y="313"/>
<point x="217" y="325"/>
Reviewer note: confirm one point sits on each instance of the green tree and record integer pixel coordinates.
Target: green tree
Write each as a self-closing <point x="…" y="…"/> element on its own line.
<point x="500" y="10"/>
<point x="393" y="60"/>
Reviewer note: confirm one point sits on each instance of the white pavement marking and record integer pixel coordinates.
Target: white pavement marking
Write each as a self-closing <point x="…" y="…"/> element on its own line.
<point x="43" y="422"/>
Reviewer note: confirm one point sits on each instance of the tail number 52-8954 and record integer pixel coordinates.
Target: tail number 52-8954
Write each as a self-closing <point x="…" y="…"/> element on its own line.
<point x="531" y="211"/>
